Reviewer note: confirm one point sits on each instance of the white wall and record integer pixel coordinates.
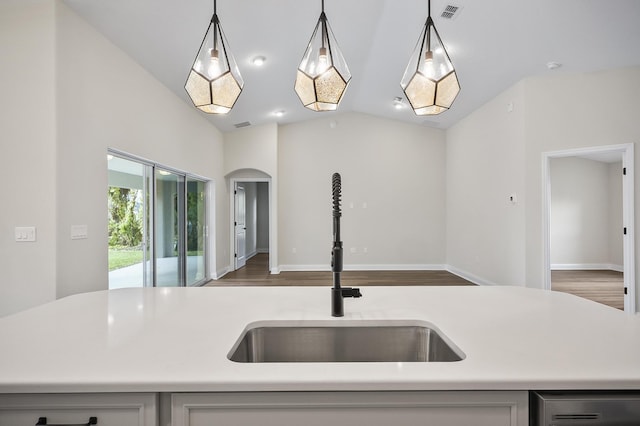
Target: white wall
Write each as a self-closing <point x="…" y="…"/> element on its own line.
<point x="84" y="96"/>
<point x="493" y="152"/>
<point x="582" y="206"/>
<point x="94" y="97"/>
<point x="252" y="152"/>
<point x="567" y="111"/>
<point x="257" y="216"/>
<point x="262" y="243"/>
<point x="251" y="218"/>
<point x="28" y="159"/>
<point x="485" y="155"/>
<point x="393" y="192"/>
<point x="253" y="147"/>
<point x="105" y="100"/>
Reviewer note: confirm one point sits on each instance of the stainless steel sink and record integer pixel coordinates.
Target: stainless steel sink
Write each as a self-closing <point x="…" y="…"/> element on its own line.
<point x="328" y="342"/>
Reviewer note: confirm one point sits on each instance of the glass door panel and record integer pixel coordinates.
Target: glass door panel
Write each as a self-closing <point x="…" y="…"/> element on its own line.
<point x="147" y="240"/>
<point x="169" y="220"/>
<point x="196" y="231"/>
<point x="129" y="222"/>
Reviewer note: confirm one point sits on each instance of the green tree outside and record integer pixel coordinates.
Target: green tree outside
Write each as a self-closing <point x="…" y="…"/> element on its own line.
<point x="125" y="227"/>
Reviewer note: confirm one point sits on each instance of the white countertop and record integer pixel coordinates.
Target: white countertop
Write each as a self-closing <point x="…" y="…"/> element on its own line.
<point x="177" y="339"/>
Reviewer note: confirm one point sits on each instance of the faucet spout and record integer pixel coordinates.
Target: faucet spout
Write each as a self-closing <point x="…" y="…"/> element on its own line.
<point x="338" y="293"/>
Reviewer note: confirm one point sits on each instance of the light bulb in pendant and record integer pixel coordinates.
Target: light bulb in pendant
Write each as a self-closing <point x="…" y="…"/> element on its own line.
<point x="214" y="82"/>
<point x="429" y="70"/>
<point x="214" y="65"/>
<point x="322" y="60"/>
<point x="323" y="75"/>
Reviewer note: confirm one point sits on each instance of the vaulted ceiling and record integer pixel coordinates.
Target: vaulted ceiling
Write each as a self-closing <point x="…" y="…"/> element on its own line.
<point x="492" y="43"/>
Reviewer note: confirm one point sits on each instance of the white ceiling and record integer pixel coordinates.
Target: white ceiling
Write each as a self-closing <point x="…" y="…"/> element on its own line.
<point x="492" y="43"/>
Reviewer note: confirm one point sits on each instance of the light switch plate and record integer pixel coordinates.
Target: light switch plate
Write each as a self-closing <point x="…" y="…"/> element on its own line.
<point x="79" y="232"/>
<point x="25" y="233"/>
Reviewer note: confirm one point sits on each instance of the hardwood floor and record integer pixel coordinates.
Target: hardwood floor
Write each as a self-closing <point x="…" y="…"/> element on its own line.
<point x="256" y="273"/>
<point x="601" y="286"/>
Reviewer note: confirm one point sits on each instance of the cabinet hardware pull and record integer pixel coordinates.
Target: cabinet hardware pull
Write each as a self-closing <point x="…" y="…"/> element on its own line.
<point x="42" y="421"/>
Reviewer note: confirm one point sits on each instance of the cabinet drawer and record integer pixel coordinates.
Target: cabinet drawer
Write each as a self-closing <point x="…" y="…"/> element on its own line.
<point x="121" y="409"/>
<point x="351" y="408"/>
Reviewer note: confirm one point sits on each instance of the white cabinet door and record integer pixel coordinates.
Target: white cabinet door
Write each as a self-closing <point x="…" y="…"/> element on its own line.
<point x="121" y="409"/>
<point x="351" y="408"/>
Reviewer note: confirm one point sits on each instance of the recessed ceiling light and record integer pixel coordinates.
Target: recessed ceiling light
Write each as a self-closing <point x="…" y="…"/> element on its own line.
<point x="553" y="65"/>
<point x="258" y="61"/>
<point x="279" y="113"/>
<point x="398" y="103"/>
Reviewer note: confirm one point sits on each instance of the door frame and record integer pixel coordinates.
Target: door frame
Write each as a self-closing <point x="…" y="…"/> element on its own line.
<point x="273" y="252"/>
<point x="628" y="213"/>
<point x="236" y="258"/>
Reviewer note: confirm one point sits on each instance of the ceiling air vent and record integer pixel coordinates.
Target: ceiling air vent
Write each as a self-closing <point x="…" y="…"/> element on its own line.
<point x="451" y="11"/>
<point x="243" y="124"/>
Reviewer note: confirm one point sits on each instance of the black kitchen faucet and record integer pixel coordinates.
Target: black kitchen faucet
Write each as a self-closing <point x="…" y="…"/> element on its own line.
<point x="338" y="293"/>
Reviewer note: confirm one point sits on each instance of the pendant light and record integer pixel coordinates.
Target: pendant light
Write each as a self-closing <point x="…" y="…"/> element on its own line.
<point x="214" y="83"/>
<point x="430" y="81"/>
<point x="323" y="74"/>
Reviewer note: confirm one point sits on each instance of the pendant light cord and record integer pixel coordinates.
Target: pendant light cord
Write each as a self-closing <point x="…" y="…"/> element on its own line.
<point x="324" y="36"/>
<point x="428" y="31"/>
<point x="215" y="25"/>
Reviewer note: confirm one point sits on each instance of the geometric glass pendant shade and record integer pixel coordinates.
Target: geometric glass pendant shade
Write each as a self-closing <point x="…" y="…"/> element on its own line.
<point x="323" y="74"/>
<point x="214" y="83"/>
<point x="430" y="81"/>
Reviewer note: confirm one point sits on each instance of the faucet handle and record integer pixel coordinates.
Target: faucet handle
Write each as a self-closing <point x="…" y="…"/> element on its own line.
<point x="351" y="292"/>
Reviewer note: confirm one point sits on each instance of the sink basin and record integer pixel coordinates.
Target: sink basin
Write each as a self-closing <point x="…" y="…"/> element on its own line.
<point x="360" y="341"/>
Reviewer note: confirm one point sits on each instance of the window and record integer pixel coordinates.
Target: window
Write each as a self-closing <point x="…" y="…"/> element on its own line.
<point x="157" y="225"/>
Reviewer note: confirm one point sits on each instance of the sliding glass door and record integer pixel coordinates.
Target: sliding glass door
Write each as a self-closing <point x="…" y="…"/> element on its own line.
<point x="196" y="231"/>
<point x="129" y="210"/>
<point x="169" y="228"/>
<point x="157" y="225"/>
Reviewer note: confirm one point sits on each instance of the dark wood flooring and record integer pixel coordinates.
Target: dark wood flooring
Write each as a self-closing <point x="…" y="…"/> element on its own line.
<point x="256" y="273"/>
<point x="602" y="286"/>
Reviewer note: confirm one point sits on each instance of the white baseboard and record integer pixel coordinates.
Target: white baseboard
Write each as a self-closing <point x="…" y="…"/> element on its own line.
<point x="395" y="267"/>
<point x="365" y="267"/>
<point x="303" y="268"/>
<point x="469" y="276"/>
<point x="221" y="273"/>
<point x="617" y="268"/>
<point x="263" y="250"/>
<point x="586" y="267"/>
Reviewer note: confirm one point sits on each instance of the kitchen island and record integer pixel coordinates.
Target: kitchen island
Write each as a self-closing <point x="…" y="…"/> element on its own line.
<point x="166" y="342"/>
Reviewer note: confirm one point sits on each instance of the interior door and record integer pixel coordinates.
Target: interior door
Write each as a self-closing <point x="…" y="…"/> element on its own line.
<point x="240" y="226"/>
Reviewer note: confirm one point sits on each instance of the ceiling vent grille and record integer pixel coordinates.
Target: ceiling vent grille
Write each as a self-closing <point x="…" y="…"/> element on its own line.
<point x="243" y="124"/>
<point x="451" y="11"/>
